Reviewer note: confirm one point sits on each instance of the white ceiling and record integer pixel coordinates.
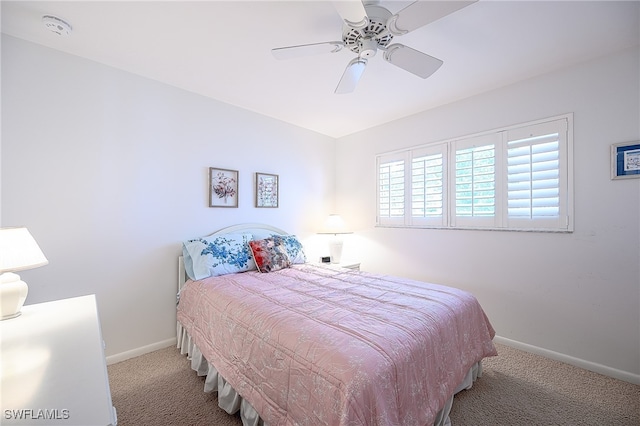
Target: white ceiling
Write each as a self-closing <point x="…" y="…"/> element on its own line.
<point x="221" y="49"/>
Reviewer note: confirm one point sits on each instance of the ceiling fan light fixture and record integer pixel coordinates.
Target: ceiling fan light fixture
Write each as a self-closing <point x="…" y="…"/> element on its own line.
<point x="56" y="25"/>
<point x="369" y="48"/>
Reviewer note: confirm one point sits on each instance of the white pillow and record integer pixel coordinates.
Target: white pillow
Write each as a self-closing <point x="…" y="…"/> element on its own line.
<point x="217" y="255"/>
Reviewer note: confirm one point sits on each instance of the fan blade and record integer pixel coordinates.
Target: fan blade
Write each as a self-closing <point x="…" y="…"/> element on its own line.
<point x="411" y="60"/>
<point x="291" y="52"/>
<point x="421" y="13"/>
<point x="351" y="76"/>
<point x="352" y="13"/>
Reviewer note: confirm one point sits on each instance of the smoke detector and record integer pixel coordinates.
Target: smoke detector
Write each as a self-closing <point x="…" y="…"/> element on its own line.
<point x="56" y="25"/>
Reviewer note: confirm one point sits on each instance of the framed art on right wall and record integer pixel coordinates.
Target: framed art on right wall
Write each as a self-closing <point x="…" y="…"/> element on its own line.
<point x="266" y="190"/>
<point x="625" y="160"/>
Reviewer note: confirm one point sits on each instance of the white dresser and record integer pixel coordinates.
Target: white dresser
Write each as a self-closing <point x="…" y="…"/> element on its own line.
<point x="53" y="367"/>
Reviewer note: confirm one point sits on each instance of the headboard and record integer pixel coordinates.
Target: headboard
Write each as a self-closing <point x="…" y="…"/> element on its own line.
<point x="258" y="230"/>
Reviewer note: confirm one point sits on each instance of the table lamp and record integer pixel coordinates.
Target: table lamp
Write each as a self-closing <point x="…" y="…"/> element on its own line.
<point x="335" y="226"/>
<point x="18" y="252"/>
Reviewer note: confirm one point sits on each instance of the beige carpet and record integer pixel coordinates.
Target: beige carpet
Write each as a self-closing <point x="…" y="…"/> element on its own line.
<point x="517" y="388"/>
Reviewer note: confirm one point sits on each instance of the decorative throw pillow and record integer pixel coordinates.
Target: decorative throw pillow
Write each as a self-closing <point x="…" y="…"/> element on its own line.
<point x="293" y="246"/>
<point x="269" y="254"/>
<point x="217" y="255"/>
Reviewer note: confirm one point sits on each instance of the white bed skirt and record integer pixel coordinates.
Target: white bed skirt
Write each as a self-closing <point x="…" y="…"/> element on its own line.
<point x="231" y="402"/>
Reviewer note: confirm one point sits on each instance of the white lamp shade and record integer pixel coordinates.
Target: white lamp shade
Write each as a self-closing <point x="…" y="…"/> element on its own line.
<point x="334" y="225"/>
<point x="19" y="251"/>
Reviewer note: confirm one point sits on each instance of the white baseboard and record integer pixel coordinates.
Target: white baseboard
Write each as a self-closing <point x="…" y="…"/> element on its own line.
<point x="577" y="362"/>
<point x="112" y="359"/>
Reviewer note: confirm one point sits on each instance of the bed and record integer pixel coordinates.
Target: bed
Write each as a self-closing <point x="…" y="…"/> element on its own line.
<point x="285" y="341"/>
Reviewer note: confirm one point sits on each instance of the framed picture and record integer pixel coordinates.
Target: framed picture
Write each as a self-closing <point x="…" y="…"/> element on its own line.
<point x="223" y="187"/>
<point x="266" y="190"/>
<point x="625" y="160"/>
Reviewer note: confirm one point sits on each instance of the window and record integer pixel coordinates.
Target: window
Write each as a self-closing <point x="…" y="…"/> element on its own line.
<point x="391" y="190"/>
<point x="538" y="176"/>
<point x="426" y="186"/>
<point x="476" y="180"/>
<point x="514" y="178"/>
<point x="428" y="197"/>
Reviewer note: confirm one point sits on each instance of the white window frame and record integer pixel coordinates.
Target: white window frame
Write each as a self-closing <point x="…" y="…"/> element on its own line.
<point x="500" y="220"/>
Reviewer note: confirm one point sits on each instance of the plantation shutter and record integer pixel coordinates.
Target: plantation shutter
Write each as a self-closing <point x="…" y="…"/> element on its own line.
<point x="513" y="178"/>
<point x="428" y="186"/>
<point x="392" y="196"/>
<point x="535" y="180"/>
<point x="475" y="178"/>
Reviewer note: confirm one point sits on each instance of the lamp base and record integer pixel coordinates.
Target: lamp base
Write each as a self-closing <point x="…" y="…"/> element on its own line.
<point x="13" y="293"/>
<point x="335" y="249"/>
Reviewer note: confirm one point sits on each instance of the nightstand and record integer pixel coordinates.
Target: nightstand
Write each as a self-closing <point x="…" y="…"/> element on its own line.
<point x="349" y="265"/>
<point x="53" y="366"/>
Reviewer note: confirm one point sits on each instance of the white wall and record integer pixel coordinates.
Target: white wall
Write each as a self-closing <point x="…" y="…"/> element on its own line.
<point x="576" y="294"/>
<point x="108" y="170"/>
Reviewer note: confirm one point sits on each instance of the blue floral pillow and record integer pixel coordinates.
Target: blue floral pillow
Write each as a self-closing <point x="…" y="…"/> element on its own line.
<point x="293" y="246"/>
<point x="217" y="255"/>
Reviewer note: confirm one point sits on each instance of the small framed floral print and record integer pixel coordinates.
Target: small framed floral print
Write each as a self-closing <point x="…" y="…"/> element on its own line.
<point x="266" y="190"/>
<point x="223" y="187"/>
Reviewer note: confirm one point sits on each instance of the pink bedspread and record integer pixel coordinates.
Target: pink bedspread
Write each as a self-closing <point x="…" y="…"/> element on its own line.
<point x="311" y="345"/>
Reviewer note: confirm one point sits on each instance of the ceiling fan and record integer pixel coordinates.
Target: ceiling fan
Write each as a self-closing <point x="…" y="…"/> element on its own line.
<point x="369" y="27"/>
